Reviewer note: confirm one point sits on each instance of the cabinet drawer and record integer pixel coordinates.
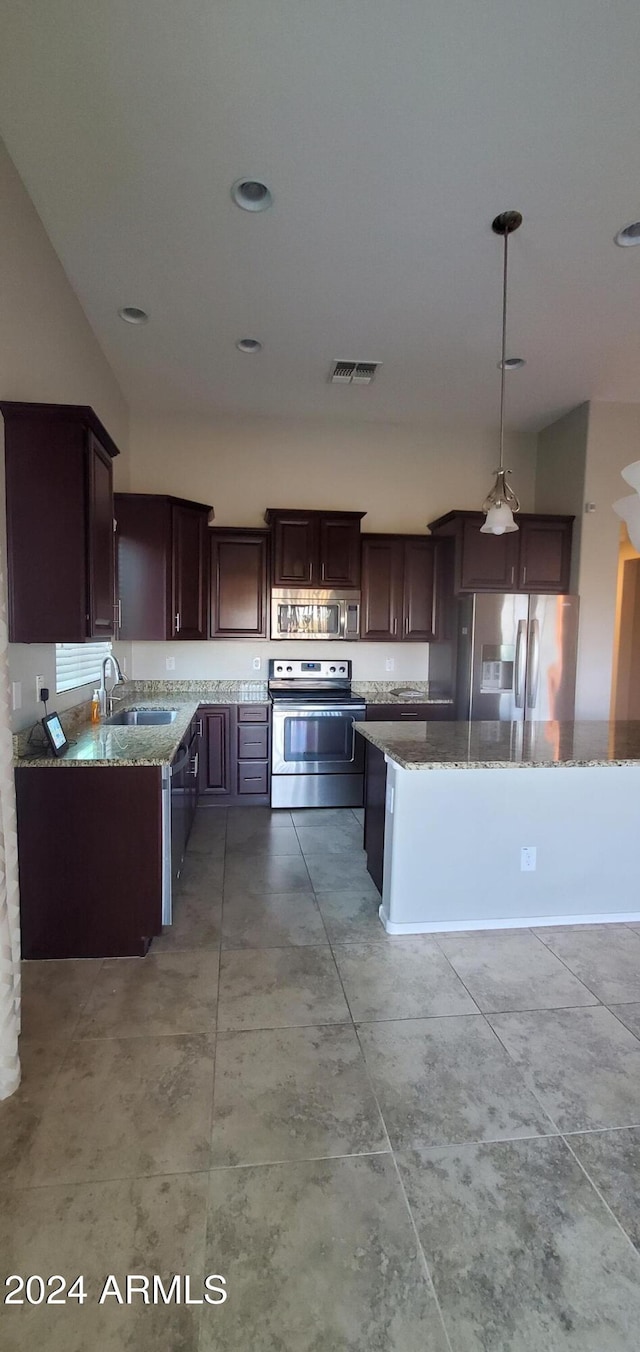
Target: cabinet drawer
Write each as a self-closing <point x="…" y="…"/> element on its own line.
<point x="253" y="742"/>
<point x="402" y="713"/>
<point x="253" y="777"/>
<point x="253" y="713"/>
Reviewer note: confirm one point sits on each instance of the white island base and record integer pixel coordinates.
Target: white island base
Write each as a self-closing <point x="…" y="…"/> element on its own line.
<point x="454" y="836"/>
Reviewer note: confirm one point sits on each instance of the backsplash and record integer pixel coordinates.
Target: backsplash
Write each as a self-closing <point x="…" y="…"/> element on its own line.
<point x="233" y="659"/>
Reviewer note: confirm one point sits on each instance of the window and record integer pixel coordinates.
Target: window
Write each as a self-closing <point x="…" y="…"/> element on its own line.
<point x="79" y="664"/>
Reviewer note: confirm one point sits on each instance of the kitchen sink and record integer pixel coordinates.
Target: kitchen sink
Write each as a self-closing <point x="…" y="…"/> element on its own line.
<point x="140" y="718"/>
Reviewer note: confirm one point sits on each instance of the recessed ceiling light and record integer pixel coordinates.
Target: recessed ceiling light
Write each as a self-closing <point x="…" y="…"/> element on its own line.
<point x="249" y="345"/>
<point x="251" y="194"/>
<point x="630" y="234"/>
<point x="132" y="315"/>
<point x="512" y="363"/>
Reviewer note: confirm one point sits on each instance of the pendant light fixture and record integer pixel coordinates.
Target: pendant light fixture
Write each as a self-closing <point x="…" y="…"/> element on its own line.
<point x="501" y="502"/>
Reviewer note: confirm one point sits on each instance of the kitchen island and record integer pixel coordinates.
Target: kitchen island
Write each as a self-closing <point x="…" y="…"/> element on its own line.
<point x="491" y="824"/>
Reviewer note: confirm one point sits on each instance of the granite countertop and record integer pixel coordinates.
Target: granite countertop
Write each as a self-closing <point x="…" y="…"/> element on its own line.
<point x="98" y="744"/>
<point x="500" y="746"/>
<point x="412" y="692"/>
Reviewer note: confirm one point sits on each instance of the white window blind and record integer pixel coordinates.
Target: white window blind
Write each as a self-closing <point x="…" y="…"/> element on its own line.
<point x="79" y="664"/>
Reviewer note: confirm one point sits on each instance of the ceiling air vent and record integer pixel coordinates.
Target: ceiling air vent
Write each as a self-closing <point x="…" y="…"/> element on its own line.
<point x="353" y="372"/>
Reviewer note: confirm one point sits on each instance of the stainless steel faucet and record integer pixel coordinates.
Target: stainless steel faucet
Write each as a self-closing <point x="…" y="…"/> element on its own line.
<point x="106" y="698"/>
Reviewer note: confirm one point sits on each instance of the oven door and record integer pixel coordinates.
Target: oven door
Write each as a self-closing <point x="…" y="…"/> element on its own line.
<point x="316" y="740"/>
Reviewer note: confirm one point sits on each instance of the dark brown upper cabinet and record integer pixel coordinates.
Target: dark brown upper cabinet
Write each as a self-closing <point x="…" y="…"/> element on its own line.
<point x="162" y="567"/>
<point x="238" y="583"/>
<point x="315" y="549"/>
<point x="535" y="558"/>
<point x="399" y="591"/>
<point x="544" y="563"/>
<point x="59" y="501"/>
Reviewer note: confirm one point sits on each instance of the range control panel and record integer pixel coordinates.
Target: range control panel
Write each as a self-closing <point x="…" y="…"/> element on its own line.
<point x="319" y="671"/>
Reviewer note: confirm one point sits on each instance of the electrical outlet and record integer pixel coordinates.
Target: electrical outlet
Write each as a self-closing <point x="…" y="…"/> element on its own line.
<point x="39" y="684"/>
<point x="257" y="663"/>
<point x="528" y="859"/>
<point x="390" y="664"/>
<point x="16" y="694"/>
<point x="171" y="664"/>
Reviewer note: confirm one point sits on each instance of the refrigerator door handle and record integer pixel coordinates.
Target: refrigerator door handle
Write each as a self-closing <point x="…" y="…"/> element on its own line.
<point x="533" y="664"/>
<point x="520" y="664"/>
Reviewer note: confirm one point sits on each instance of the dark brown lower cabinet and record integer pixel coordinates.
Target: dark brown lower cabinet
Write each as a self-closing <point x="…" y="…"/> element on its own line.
<point x="416" y="713"/>
<point x="375" y="792"/>
<point x="235" y="751"/>
<point x="184" y="794"/>
<point x="90" y="852"/>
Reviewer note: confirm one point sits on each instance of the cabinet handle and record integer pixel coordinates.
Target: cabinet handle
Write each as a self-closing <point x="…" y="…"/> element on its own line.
<point x="408" y="715"/>
<point x="395" y="626"/>
<point x="194" y="765"/>
<point x="200" y="728"/>
<point x="406" y="626"/>
<point x="322" y="571"/>
<point x="177" y="621"/>
<point x="513" y="573"/>
<point x="524" y="575"/>
<point x="117" y="614"/>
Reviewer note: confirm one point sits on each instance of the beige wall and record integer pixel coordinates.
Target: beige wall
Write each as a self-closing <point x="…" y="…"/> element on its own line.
<point x="48" y="353"/>
<point x="579" y="460"/>
<point x="560" y="474"/>
<point x="613" y="441"/>
<point x="402" y="477"/>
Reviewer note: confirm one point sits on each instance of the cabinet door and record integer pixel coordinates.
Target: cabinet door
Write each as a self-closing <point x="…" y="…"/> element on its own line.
<point x="238" y="585"/>
<point x="381" y="589"/>
<point x="418" y="623"/>
<point x="375" y="792"/>
<point x="339" y="552"/>
<point x="295" y="551"/>
<point x="100" y="541"/>
<point x="488" y="562"/>
<point x="218" y="758"/>
<point x="545" y="555"/>
<point x="188" y="620"/>
<point x="178" y="809"/>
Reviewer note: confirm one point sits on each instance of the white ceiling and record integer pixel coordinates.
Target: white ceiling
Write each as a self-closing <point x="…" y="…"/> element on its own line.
<point x="390" y="132"/>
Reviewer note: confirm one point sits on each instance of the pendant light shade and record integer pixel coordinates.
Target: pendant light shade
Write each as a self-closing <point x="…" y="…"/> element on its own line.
<point x="629" y="508"/>
<point x="501" y="503"/>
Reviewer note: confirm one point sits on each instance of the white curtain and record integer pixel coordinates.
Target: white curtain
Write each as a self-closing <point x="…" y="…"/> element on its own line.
<point x="9" y="898"/>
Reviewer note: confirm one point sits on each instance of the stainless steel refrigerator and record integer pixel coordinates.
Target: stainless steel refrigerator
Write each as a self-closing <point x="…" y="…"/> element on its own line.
<point x="516" y="656"/>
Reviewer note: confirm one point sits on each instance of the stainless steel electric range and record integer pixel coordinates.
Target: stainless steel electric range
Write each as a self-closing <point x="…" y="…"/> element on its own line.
<point x="317" y="759"/>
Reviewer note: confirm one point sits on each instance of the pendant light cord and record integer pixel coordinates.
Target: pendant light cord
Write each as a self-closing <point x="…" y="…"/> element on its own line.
<point x="504" y="344"/>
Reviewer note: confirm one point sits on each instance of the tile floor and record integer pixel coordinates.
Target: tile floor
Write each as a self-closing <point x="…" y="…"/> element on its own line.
<point x="384" y="1145"/>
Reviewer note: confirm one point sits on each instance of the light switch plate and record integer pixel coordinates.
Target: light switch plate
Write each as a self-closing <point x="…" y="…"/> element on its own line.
<point x="171" y="664"/>
<point x="16" y="694"/>
<point x="257" y="663"/>
<point x="389" y="664"/>
<point x="528" y="859"/>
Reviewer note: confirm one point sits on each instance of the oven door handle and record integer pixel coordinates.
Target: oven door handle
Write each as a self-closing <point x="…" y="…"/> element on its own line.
<point x="281" y="706"/>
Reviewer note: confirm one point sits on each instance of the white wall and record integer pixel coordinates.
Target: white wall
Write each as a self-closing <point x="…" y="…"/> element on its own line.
<point x="48" y="353"/>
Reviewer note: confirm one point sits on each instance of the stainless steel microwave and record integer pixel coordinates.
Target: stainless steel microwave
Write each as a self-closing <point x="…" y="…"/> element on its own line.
<point x="307" y="613"/>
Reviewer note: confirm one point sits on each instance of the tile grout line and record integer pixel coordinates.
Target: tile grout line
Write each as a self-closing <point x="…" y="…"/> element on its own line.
<point x="599" y="1194"/>
<point x="421" y="1252"/>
